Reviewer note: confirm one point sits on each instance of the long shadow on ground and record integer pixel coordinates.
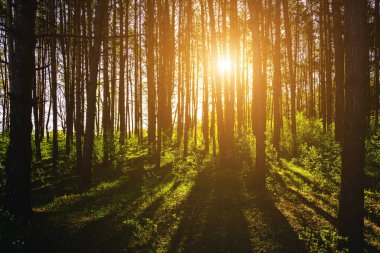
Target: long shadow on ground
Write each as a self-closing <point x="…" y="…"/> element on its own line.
<point x="94" y="223"/>
<point x="220" y="216"/>
<point x="146" y="214"/>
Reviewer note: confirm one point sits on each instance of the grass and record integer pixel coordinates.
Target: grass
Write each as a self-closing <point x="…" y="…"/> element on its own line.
<point x="195" y="205"/>
<point x="187" y="205"/>
<point x="311" y="203"/>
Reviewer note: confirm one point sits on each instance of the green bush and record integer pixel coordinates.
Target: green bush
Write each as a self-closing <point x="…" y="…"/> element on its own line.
<point x="272" y="155"/>
<point x="317" y="150"/>
<point x="246" y="145"/>
<point x="310" y="158"/>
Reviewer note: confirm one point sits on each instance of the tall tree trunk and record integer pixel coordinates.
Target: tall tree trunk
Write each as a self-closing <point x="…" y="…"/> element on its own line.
<point x="189" y="11"/>
<point x="292" y="72"/>
<point x="259" y="94"/>
<point x="100" y="15"/>
<point x="78" y="90"/>
<point x="136" y="72"/>
<point x="180" y="89"/>
<point x="217" y="84"/>
<point x="377" y="63"/>
<point x="277" y="78"/>
<point x="167" y="51"/>
<point x="351" y="205"/>
<point x="121" y="74"/>
<point x="113" y="76"/>
<point x="53" y="58"/>
<point x="10" y="46"/>
<point x="171" y="69"/>
<point x="328" y="65"/>
<point x="236" y="83"/>
<point x="322" y="66"/>
<point x="19" y="153"/>
<point x="106" y="97"/>
<point x="69" y="87"/>
<point x="37" y="135"/>
<point x="225" y="75"/>
<point x="310" y="40"/>
<point x="150" y="75"/>
<point x="339" y="68"/>
<point x="205" y="105"/>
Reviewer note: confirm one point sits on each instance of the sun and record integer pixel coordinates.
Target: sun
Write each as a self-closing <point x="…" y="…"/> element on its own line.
<point x="224" y="65"/>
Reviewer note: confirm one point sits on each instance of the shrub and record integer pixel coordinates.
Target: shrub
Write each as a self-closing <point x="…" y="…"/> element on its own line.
<point x="317" y="150"/>
<point x="246" y="146"/>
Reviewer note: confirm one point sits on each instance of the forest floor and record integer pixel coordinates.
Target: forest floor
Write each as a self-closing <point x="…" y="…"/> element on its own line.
<point x="192" y="205"/>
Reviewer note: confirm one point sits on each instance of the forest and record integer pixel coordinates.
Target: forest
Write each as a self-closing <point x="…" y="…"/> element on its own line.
<point x="190" y="126"/>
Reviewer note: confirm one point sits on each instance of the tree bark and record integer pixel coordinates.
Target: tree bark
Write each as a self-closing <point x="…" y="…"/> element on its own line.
<point x="189" y="11"/>
<point x="377" y="64"/>
<point x="53" y="59"/>
<point x="205" y="105"/>
<point x="292" y="72"/>
<point x="310" y="40"/>
<point x="339" y="68"/>
<point x="19" y="153"/>
<point x="259" y="95"/>
<point x="322" y="66"/>
<point x="106" y="97"/>
<point x="150" y="75"/>
<point x="217" y="84"/>
<point x="100" y="15"/>
<point x="121" y="76"/>
<point x="351" y="205"/>
<point x="78" y="90"/>
<point x="277" y="78"/>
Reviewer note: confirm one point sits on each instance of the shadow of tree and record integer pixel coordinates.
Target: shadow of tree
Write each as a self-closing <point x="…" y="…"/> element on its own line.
<point x="52" y="231"/>
<point x="219" y="217"/>
<point x="271" y="230"/>
<point x="285" y="189"/>
<point x="217" y="214"/>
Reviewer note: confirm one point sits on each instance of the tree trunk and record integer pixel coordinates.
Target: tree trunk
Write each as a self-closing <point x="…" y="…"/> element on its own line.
<point x="377" y="64"/>
<point x="328" y="56"/>
<point x="150" y="75"/>
<point x="78" y="90"/>
<point x="292" y="72"/>
<point x="310" y="40"/>
<point x="189" y="10"/>
<point x="322" y="66"/>
<point x="259" y="95"/>
<point x="217" y="84"/>
<point x="37" y="142"/>
<point x="100" y="15"/>
<point x="106" y="97"/>
<point x="277" y="79"/>
<point x="53" y="59"/>
<point x="339" y="68"/>
<point x="351" y="205"/>
<point x="205" y="105"/>
<point x="113" y="77"/>
<point x="19" y="153"/>
<point x="121" y="76"/>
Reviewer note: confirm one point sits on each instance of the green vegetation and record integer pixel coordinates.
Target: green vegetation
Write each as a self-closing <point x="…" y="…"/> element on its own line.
<point x="194" y="202"/>
<point x="190" y="126"/>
